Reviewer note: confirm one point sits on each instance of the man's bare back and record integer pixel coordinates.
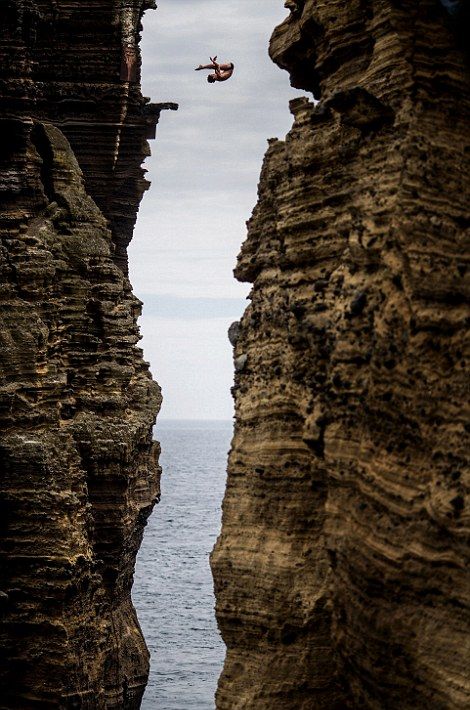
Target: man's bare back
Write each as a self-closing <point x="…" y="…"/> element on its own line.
<point x="222" y="72"/>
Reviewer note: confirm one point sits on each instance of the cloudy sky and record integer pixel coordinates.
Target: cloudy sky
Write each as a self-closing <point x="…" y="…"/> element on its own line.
<point x="204" y="171"/>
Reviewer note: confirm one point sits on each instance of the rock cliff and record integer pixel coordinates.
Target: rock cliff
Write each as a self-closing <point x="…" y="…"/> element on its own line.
<point x="341" y="573"/>
<point x="79" y="469"/>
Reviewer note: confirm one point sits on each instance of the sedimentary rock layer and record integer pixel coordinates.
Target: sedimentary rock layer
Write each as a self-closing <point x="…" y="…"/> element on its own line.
<point x="77" y="64"/>
<point x="79" y="469"/>
<point x="341" y="572"/>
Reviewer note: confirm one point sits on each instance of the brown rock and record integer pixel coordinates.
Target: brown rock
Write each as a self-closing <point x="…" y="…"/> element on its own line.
<point x="79" y="468"/>
<point x="341" y="572"/>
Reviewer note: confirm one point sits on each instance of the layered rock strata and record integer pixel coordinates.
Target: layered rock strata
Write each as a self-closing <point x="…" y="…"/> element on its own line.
<point x="77" y="65"/>
<point x="341" y="573"/>
<point x="79" y="468"/>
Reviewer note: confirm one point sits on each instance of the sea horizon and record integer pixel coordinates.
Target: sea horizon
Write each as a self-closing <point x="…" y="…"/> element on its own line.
<point x="192" y="423"/>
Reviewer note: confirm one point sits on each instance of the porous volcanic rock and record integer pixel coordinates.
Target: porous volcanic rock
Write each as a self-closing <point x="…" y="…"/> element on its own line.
<point x="76" y="63"/>
<point x="79" y="469"/>
<point x="341" y="572"/>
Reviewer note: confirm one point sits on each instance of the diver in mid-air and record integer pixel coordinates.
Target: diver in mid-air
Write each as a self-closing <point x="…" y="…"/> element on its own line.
<point x="222" y="72"/>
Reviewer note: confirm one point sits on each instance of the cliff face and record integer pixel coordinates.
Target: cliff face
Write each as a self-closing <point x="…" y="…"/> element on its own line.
<point x="341" y="572"/>
<point x="79" y="469"/>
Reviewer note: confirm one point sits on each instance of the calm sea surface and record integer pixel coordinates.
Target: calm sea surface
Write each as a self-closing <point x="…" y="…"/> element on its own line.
<point x="173" y="591"/>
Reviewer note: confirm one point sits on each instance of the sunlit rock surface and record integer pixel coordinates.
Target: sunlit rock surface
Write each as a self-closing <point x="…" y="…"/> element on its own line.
<point x="79" y="470"/>
<point x="341" y="572"/>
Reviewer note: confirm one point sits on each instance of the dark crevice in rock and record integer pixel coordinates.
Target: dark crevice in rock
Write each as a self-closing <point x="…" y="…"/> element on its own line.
<point x="42" y="145"/>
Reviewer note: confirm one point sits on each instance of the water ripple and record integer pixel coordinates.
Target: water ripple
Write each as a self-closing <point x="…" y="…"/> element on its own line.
<point x="173" y="591"/>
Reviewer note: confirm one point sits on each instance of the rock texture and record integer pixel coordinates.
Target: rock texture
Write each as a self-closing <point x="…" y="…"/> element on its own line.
<point x="79" y="469"/>
<point x="341" y="573"/>
<point x="77" y="64"/>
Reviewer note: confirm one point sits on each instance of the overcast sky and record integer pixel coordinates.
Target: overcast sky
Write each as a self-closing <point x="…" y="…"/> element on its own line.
<point x="204" y="172"/>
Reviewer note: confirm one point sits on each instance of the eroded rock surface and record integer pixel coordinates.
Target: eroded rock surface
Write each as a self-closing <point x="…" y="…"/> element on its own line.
<point x="79" y="469"/>
<point x="341" y="572"/>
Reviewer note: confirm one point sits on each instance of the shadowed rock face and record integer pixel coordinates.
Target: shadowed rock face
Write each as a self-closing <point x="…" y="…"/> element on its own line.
<point x="77" y="64"/>
<point x="341" y="572"/>
<point x="79" y="468"/>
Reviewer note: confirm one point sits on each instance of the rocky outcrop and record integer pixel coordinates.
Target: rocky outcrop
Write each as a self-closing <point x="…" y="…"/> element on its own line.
<point x="79" y="468"/>
<point x="77" y="65"/>
<point x="341" y="572"/>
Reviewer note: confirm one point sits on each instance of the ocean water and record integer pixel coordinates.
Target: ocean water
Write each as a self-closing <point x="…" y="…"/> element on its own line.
<point x="173" y="591"/>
